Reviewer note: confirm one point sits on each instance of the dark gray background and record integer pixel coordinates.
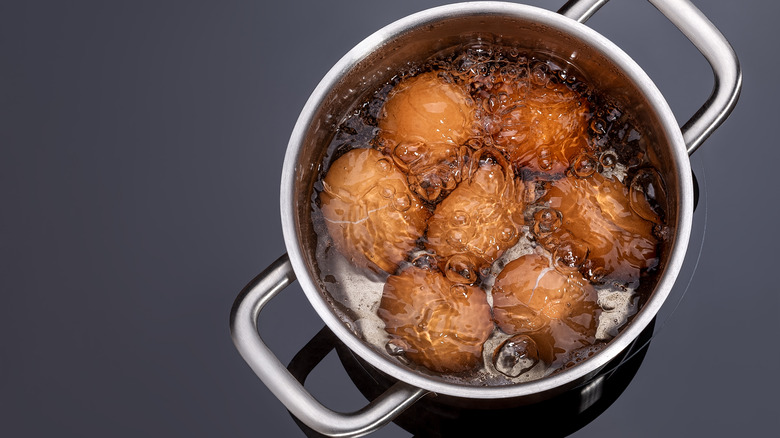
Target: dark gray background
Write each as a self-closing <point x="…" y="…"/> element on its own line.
<point x="141" y="147"/>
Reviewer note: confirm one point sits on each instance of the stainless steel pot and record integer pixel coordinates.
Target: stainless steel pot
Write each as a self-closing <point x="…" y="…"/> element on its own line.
<point x="416" y="38"/>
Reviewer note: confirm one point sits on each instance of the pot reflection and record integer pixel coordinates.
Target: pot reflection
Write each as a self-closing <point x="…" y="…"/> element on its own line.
<point x="442" y="416"/>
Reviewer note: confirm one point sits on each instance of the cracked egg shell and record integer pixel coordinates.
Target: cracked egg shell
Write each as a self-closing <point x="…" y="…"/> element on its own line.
<point x="371" y="215"/>
<point x="530" y="292"/>
<point x="423" y="125"/>
<point x="596" y="230"/>
<point x="542" y="125"/>
<point x="438" y="324"/>
<point x="478" y="221"/>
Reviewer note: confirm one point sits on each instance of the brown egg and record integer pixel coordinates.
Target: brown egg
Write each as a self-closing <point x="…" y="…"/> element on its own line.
<point x="438" y="324"/>
<point x="424" y="125"/>
<point x="371" y="215"/>
<point x="542" y="125"/>
<point x="590" y="225"/>
<point x="530" y="292"/>
<point x="478" y="221"/>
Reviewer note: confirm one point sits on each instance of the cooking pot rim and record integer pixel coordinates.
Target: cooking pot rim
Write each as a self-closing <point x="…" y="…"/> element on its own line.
<point x="671" y="131"/>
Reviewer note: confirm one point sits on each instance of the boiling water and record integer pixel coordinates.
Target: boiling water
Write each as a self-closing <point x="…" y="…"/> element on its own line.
<point x="616" y="152"/>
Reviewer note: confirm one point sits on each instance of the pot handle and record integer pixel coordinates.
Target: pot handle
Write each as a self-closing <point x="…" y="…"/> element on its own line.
<point x="243" y="327"/>
<point x="710" y="42"/>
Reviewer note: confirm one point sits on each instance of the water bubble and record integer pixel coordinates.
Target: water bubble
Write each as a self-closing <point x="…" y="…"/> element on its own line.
<point x="662" y="231"/>
<point x="408" y="152"/>
<point x="584" y="165"/>
<point x="539" y="74"/>
<point x="608" y="159"/>
<point x="546" y="221"/>
<point x="598" y="126"/>
<point x="459" y="290"/>
<point x="457" y="238"/>
<point x="402" y="203"/>
<point x="491" y="104"/>
<point x="423" y="260"/>
<point x="425" y="319"/>
<point x="463" y="65"/>
<point x="387" y="191"/>
<point x="429" y="192"/>
<point x="544" y="158"/>
<point x="460" y="269"/>
<point x="480" y="52"/>
<point x="477" y="87"/>
<point x="395" y="347"/>
<point x="492" y="127"/>
<point x="594" y="273"/>
<point x="510" y="72"/>
<point x="571" y="254"/>
<point x="474" y="143"/>
<point x="648" y="196"/>
<point x="459" y="218"/>
<point x="516" y="356"/>
<point x="507" y="233"/>
<point x="384" y="165"/>
<point x="449" y="183"/>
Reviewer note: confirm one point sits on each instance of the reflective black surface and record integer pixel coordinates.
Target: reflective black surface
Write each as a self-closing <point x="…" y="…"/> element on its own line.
<point x="436" y="416"/>
<point x="140" y="153"/>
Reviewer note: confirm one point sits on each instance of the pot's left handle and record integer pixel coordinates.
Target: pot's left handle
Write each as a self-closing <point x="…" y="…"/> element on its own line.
<point x="243" y="327"/>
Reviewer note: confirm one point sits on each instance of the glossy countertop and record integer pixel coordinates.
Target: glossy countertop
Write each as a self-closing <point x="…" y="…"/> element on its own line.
<point x="142" y="145"/>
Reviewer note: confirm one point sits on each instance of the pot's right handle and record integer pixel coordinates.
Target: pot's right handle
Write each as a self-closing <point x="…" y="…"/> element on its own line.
<point x="243" y="327"/>
<point x="710" y="42"/>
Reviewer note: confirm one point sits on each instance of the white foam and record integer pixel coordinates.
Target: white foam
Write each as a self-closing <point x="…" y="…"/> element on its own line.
<point x="617" y="306"/>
